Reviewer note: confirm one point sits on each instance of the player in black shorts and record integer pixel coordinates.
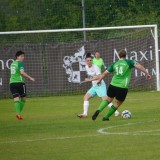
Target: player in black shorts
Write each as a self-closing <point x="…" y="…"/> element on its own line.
<point x="119" y="93"/>
<point x="17" y="83"/>
<point x="118" y="87"/>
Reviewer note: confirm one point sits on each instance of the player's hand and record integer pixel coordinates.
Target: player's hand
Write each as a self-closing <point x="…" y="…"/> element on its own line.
<point x="99" y="82"/>
<point x="87" y="79"/>
<point x="148" y="76"/>
<point x="32" y="79"/>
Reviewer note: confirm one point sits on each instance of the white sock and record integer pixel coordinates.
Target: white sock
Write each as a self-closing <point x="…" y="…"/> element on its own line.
<point x="85" y="107"/>
<point x="110" y="104"/>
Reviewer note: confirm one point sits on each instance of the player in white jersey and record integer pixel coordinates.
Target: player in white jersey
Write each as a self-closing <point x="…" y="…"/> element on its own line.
<point x="93" y="73"/>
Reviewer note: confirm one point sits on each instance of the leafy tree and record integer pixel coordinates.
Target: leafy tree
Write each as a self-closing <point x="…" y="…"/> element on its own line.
<point x="58" y="14"/>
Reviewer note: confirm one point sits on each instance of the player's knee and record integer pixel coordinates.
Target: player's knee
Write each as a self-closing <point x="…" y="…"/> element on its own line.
<point x="16" y="99"/>
<point x="117" y="103"/>
<point x="86" y="97"/>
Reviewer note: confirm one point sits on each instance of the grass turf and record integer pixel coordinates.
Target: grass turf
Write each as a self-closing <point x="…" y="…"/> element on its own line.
<point x="52" y="131"/>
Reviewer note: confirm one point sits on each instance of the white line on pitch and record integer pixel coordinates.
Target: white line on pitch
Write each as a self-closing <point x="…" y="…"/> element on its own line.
<point x="45" y="139"/>
<point x="101" y="131"/>
<point x="106" y="132"/>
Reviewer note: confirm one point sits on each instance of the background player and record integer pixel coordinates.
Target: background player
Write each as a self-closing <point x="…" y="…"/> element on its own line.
<point x="97" y="60"/>
<point x="17" y="83"/>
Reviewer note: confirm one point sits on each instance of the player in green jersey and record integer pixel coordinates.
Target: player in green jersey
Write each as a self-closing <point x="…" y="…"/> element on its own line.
<point x="118" y="87"/>
<point x="98" y="61"/>
<point x="17" y="83"/>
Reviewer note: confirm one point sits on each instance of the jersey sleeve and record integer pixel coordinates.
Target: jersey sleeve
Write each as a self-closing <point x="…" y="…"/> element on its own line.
<point x="21" y="65"/>
<point x="110" y="68"/>
<point x="131" y="63"/>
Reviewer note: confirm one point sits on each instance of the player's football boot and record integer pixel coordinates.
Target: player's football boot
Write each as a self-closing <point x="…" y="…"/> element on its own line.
<point x="105" y="119"/>
<point x="82" y="116"/>
<point x="19" y="117"/>
<point x="95" y="114"/>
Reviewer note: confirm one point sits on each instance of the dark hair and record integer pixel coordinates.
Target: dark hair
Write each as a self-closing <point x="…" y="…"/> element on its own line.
<point x="18" y="54"/>
<point x="96" y="51"/>
<point x="122" y="53"/>
<point x="88" y="55"/>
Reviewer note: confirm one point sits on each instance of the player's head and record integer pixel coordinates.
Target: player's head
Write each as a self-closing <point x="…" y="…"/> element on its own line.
<point x="19" y="55"/>
<point x="122" y="53"/>
<point x="89" y="55"/>
<point x="97" y="54"/>
<point x="89" y="59"/>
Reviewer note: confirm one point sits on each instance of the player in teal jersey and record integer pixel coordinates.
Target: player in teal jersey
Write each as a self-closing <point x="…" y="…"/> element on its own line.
<point x="97" y="60"/>
<point x="93" y="73"/>
<point x="118" y="87"/>
<point x="17" y="83"/>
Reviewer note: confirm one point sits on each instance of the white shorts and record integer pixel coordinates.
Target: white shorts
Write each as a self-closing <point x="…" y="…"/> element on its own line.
<point x="99" y="91"/>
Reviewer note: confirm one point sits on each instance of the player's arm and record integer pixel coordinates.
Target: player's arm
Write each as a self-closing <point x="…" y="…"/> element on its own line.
<point x="104" y="74"/>
<point x="23" y="73"/>
<point x="140" y="67"/>
<point x="26" y="75"/>
<point x="93" y="78"/>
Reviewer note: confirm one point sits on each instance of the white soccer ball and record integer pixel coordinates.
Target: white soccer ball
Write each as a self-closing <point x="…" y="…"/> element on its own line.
<point x="126" y="114"/>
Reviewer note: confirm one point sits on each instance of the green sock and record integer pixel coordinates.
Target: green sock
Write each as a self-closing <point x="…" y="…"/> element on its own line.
<point x="103" y="105"/>
<point x="17" y="106"/>
<point x="22" y="103"/>
<point x="110" y="112"/>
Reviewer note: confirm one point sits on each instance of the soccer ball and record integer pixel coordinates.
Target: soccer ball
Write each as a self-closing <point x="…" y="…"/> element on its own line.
<point x="126" y="114"/>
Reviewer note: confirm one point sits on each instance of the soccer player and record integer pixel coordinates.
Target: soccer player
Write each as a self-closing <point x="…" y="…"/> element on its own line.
<point x="118" y="87"/>
<point x="97" y="60"/>
<point x="17" y="83"/>
<point x="93" y="73"/>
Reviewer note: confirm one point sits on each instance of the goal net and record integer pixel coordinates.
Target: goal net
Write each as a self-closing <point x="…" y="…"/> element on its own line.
<point x="56" y="58"/>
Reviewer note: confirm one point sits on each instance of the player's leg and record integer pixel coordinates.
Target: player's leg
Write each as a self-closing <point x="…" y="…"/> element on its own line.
<point x="22" y="103"/>
<point x="15" y="94"/>
<point x="120" y="96"/>
<point x="104" y="103"/>
<point x="117" y="113"/>
<point x="85" y="106"/>
<point x="22" y="91"/>
<point x="111" y="104"/>
<point x="90" y="93"/>
<point x="112" y="110"/>
<point x="18" y="107"/>
<point x="86" y="103"/>
<point x="102" y="92"/>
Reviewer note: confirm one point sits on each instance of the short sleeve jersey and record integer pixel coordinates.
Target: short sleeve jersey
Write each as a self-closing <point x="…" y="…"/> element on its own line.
<point x="16" y="76"/>
<point x="92" y="72"/>
<point x="99" y="62"/>
<point x="122" y="72"/>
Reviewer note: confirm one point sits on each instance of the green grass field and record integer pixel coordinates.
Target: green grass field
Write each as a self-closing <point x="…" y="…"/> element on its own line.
<point x="51" y="131"/>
